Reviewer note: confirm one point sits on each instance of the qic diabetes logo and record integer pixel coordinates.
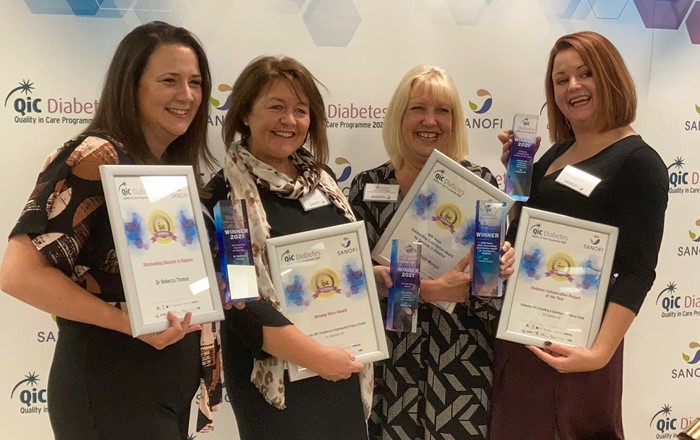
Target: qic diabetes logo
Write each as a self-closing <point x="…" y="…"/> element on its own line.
<point x="484" y="96"/>
<point x="34" y="109"/>
<point x="681" y="180"/>
<point x="693" y="249"/>
<point x="31" y="396"/>
<point x="447" y="217"/>
<point x="352" y="115"/>
<point x="691" y="368"/>
<point x="666" y="425"/>
<point x="676" y="305"/>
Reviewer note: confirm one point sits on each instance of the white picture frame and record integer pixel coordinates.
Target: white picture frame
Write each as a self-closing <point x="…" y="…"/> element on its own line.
<point x="162" y="245"/>
<point x="448" y="188"/>
<point x="325" y="285"/>
<point x="562" y="274"/>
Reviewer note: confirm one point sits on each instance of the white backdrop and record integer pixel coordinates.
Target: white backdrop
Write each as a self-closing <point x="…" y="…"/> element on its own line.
<point x="495" y="49"/>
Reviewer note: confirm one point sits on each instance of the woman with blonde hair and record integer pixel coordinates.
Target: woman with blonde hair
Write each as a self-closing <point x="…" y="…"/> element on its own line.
<point x="437" y="381"/>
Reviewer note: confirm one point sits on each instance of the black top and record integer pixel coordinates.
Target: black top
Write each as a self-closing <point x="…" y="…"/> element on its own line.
<point x="66" y="216"/>
<point x="315" y="408"/>
<point x="285" y="216"/>
<point x="632" y="195"/>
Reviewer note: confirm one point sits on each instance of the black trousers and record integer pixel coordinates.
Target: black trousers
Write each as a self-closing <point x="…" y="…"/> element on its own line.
<point x="105" y="385"/>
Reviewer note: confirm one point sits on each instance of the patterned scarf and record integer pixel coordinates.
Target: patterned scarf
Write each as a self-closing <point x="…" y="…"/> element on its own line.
<point x="244" y="172"/>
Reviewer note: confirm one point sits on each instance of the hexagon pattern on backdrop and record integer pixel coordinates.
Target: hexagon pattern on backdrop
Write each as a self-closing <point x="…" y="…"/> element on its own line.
<point x="468" y="12"/>
<point x="145" y="10"/>
<point x="663" y="14"/>
<point x="692" y="23"/>
<point x="607" y="9"/>
<point x="331" y="22"/>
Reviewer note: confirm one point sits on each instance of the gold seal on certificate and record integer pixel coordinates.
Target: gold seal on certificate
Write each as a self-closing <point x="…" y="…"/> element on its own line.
<point x="562" y="274"/>
<point x="325" y="284"/>
<point x="439" y="211"/>
<point x="162" y="245"/>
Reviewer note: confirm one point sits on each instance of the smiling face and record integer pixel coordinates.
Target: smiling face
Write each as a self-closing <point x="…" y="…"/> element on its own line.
<point x="169" y="95"/>
<point x="574" y="90"/>
<point x="279" y="121"/>
<point x="426" y="125"/>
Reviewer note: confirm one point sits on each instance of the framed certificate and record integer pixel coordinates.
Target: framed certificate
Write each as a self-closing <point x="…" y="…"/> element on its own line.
<point x="562" y="274"/>
<point x="162" y="246"/>
<point x="325" y="285"/>
<point x="439" y="211"/>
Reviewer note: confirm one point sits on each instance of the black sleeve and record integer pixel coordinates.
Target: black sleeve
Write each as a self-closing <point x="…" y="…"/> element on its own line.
<point x="638" y="206"/>
<point x="247" y="324"/>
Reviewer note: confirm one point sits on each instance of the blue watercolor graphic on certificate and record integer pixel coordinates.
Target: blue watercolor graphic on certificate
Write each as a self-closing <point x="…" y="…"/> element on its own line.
<point x="134" y="232"/>
<point x="424" y="204"/>
<point x="465" y="233"/>
<point x="590" y="276"/>
<point x="355" y="280"/>
<point x="188" y="227"/>
<point x="295" y="294"/>
<point x="531" y="264"/>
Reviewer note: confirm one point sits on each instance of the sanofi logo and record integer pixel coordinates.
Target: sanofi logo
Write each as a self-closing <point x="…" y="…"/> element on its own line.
<point x="486" y="104"/>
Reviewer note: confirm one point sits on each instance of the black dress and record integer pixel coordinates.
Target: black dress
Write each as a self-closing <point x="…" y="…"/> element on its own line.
<point x="102" y="383"/>
<point x="531" y="400"/>
<point x="315" y="408"/>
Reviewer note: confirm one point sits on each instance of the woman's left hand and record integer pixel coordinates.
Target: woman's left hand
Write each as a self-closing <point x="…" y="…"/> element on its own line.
<point x="564" y="359"/>
<point x="567" y="359"/>
<point x="507" y="260"/>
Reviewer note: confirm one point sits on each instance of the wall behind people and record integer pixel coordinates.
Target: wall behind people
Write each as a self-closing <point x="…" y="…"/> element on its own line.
<point x="55" y="54"/>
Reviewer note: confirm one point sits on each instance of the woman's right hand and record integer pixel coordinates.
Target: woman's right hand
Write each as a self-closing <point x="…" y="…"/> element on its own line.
<point x="506" y="139"/>
<point x="172" y="334"/>
<point x="337" y="364"/>
<point x="452" y="286"/>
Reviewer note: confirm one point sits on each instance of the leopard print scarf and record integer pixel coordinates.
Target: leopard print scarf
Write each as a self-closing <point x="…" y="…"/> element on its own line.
<point x="244" y="173"/>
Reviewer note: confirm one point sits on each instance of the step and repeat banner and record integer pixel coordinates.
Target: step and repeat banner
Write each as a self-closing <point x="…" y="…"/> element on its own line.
<point x="55" y="54"/>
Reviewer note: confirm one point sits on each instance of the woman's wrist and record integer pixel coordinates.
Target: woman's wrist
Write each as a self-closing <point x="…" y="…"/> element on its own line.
<point x="427" y="289"/>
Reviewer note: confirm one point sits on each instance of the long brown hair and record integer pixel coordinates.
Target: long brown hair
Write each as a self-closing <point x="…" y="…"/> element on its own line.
<point x="118" y="113"/>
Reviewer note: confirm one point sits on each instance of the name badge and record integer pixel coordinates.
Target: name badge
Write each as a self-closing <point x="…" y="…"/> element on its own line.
<point x="579" y="181"/>
<point x="314" y="199"/>
<point x="380" y="192"/>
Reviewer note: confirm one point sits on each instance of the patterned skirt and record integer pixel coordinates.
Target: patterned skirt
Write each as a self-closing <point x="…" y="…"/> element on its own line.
<point x="437" y="382"/>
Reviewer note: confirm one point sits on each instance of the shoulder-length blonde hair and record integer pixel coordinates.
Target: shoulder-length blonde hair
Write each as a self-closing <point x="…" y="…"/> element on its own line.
<point x="438" y="83"/>
<point x="616" y="98"/>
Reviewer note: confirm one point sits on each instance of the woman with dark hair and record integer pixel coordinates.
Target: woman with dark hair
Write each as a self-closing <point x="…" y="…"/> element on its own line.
<point x="575" y="393"/>
<point x="61" y="257"/>
<point x="278" y="109"/>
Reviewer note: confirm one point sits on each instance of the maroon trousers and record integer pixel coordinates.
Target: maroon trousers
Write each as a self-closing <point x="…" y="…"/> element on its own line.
<point x="533" y="401"/>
